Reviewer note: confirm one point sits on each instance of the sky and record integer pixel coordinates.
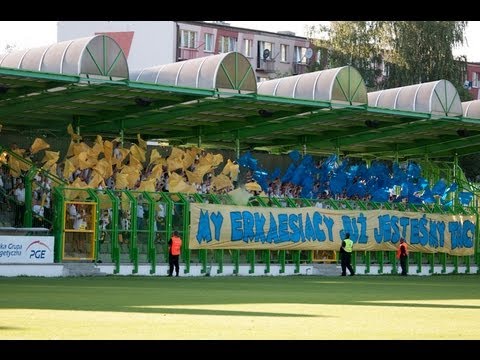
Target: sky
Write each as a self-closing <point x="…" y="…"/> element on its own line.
<point x="28" y="34"/>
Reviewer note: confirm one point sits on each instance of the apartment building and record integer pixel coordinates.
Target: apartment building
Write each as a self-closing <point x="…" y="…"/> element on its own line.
<point x="150" y="43"/>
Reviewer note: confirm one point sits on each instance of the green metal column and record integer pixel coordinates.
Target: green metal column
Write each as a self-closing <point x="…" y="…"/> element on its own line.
<point x="418" y="259"/>
<point x="133" y="222"/>
<point x="431" y="259"/>
<point x="151" y="251"/>
<point x="94" y="196"/>
<point x="266" y="257"/>
<point x="367" y="262"/>
<point x="393" y="261"/>
<point x="114" y="238"/>
<point x="443" y="257"/>
<point x="236" y="261"/>
<point x="58" y="222"/>
<point x="28" y="180"/>
<point x="237" y="146"/>
<point x="380" y="261"/>
<point x="282" y="256"/>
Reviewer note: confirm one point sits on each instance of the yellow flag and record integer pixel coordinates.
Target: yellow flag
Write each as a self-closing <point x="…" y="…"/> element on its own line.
<point x="177" y="184"/>
<point x="103" y="168"/>
<point x="38" y="145"/>
<point x="79" y="148"/>
<point x="194" y="177"/>
<point x="253" y="186"/>
<point x="96" y="180"/>
<point x="155" y="157"/>
<point x="121" y="181"/>
<point x="194" y="151"/>
<point x="156" y="171"/>
<point x="177" y="153"/>
<point x="134" y="162"/>
<point x="137" y="152"/>
<point x="51" y="156"/>
<point x="202" y="170"/>
<point x="221" y="182"/>
<point x="231" y="170"/>
<point x="132" y="179"/>
<point x="107" y="150"/>
<point x="68" y="169"/>
<point x="217" y="159"/>
<point x="147" y="185"/>
<point x="174" y="163"/>
<point x="187" y="160"/>
<point x="75" y="137"/>
<point x="142" y="143"/>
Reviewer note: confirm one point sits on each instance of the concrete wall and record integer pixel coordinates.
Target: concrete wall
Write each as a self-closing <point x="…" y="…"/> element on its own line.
<point x="153" y="42"/>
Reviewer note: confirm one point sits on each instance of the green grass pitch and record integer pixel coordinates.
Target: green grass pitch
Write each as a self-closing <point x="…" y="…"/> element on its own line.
<point x="294" y="307"/>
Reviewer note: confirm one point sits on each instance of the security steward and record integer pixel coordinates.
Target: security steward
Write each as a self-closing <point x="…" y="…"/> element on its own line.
<point x="174" y="246"/>
<point x="346" y="255"/>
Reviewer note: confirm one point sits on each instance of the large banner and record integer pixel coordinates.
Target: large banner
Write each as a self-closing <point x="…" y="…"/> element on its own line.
<point x="26" y="249"/>
<point x="311" y="228"/>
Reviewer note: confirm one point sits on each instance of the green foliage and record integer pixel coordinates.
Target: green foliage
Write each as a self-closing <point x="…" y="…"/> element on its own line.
<point x="412" y="51"/>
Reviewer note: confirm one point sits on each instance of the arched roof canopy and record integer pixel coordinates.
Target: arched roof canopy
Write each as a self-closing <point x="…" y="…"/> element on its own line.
<point x="228" y="71"/>
<point x="97" y="55"/>
<point x="342" y="85"/>
<point x="438" y="98"/>
<point x="471" y="109"/>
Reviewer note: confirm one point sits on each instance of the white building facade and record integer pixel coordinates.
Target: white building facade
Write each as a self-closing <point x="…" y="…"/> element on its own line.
<point x="150" y="43"/>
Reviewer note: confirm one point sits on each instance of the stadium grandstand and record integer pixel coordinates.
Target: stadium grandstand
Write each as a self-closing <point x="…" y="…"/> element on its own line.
<point x="257" y="178"/>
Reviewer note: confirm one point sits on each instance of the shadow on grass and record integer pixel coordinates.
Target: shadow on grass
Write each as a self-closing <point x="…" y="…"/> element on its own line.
<point x="184" y="295"/>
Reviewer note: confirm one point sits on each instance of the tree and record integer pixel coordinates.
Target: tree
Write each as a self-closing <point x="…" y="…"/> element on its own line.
<point x="421" y="51"/>
<point x="396" y="53"/>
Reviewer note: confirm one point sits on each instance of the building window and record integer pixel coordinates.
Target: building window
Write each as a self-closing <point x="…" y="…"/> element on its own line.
<point x="208" y="43"/>
<point x="299" y="54"/>
<point x="247" y="51"/>
<point x="475" y="79"/>
<point x="262" y="46"/>
<point x="188" y="39"/>
<point x="228" y="44"/>
<point x="283" y="52"/>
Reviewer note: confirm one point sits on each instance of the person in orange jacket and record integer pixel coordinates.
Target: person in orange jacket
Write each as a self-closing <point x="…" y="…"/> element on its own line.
<point x="174" y="246"/>
<point x="402" y="254"/>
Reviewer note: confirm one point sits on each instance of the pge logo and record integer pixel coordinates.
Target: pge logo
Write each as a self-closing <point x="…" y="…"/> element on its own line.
<point x="38" y="251"/>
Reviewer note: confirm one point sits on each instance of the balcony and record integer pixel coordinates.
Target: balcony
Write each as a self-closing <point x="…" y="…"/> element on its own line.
<point x="267" y="66"/>
<point x="299" y="68"/>
<point x="187" y="54"/>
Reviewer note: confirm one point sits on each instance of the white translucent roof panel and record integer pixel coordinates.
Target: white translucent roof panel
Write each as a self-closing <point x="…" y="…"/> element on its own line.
<point x="438" y="98"/>
<point x="228" y="71"/>
<point x="97" y="55"/>
<point x="471" y="109"/>
<point x="342" y="85"/>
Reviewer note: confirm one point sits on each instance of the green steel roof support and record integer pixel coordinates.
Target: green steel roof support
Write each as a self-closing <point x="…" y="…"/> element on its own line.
<point x="202" y="253"/>
<point x="114" y="62"/>
<point x="96" y="237"/>
<point x="186" y="232"/>
<point x="133" y="223"/>
<point x="228" y="76"/>
<point x="168" y="226"/>
<point x="477" y="238"/>
<point x="28" y="216"/>
<point x="59" y="222"/>
<point x="199" y="137"/>
<point x="104" y="38"/>
<point x="151" y="250"/>
<point x="237" y="145"/>
<point x="115" y="249"/>
<point x="236" y="261"/>
<point x="102" y="72"/>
